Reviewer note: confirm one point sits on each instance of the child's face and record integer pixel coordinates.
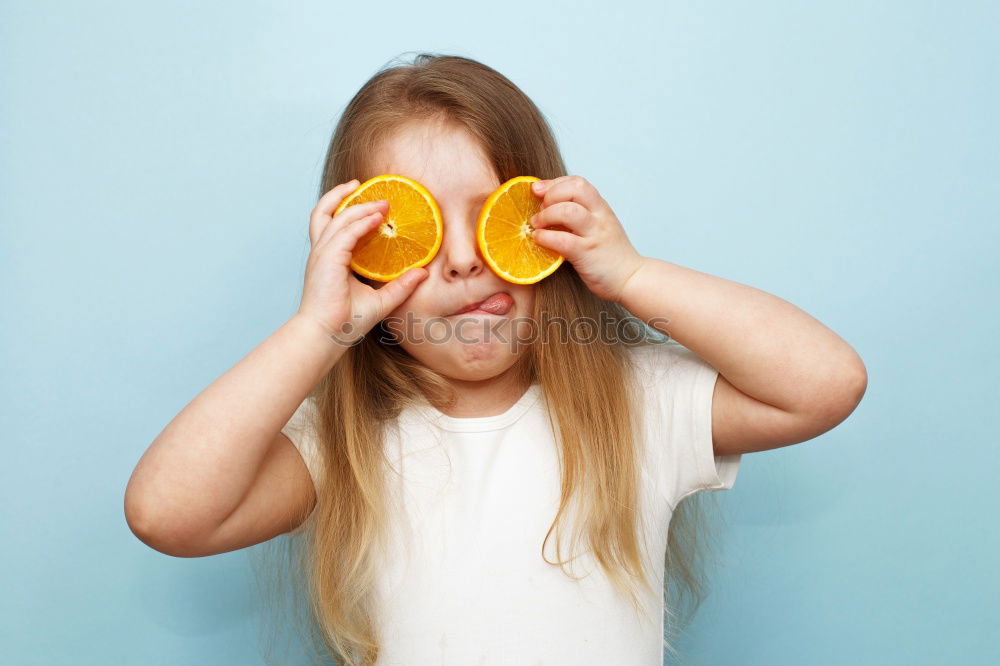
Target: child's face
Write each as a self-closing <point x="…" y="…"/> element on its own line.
<point x="446" y="160"/>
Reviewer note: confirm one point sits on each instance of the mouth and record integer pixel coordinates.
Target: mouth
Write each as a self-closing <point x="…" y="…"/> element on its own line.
<point x="499" y="303"/>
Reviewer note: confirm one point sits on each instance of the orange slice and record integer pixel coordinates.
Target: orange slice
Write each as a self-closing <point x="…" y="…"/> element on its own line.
<point x="409" y="235"/>
<point x="504" y="234"/>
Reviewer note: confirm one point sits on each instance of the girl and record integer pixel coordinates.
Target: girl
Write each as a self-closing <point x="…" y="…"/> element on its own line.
<point x="430" y="470"/>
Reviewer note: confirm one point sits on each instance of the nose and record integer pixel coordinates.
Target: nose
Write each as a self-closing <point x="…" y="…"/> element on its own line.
<point x="459" y="253"/>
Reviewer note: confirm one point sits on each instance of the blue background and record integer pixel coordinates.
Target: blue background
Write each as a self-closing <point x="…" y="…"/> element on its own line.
<point x="159" y="162"/>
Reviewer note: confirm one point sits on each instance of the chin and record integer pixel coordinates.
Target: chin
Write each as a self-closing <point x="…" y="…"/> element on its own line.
<point x="470" y="361"/>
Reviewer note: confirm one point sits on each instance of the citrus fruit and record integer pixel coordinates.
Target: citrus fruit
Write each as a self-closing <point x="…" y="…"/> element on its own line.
<point x="409" y="235"/>
<point x="504" y="234"/>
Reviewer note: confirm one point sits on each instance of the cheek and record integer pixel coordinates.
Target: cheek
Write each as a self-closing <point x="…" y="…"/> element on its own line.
<point x="418" y="306"/>
<point x="418" y="332"/>
<point x="526" y="299"/>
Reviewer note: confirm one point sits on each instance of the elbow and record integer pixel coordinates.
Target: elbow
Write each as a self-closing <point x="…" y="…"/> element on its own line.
<point x="168" y="536"/>
<point x="163" y="537"/>
<point x="831" y="402"/>
<point x="859" y="384"/>
<point x="855" y="383"/>
<point x="843" y="395"/>
<point x="136" y="515"/>
<point x="141" y="523"/>
<point x="144" y="525"/>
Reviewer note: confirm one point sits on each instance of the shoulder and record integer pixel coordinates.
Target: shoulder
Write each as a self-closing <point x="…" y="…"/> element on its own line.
<point x="667" y="361"/>
<point x="304" y="416"/>
<point x="301" y="430"/>
<point x="677" y="408"/>
<point x="673" y="384"/>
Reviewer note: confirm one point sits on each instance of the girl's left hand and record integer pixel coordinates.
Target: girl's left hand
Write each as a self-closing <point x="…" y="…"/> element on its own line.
<point x="592" y="238"/>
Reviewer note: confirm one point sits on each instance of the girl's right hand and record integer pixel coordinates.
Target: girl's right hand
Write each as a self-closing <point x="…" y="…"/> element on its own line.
<point x="332" y="295"/>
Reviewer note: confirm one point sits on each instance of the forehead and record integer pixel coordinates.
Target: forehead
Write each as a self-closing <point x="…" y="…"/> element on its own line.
<point x="444" y="158"/>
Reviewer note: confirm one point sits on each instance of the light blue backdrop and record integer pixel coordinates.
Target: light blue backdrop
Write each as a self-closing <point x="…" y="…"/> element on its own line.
<point x="159" y="162"/>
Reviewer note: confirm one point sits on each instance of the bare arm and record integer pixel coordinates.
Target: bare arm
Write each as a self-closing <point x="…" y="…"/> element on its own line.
<point x="784" y="376"/>
<point x="200" y="468"/>
<point x="221" y="476"/>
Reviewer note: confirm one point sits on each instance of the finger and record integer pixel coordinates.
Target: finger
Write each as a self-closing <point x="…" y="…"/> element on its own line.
<point x="569" y="188"/>
<point x="394" y="292"/>
<point x="323" y="211"/>
<point x="348" y="216"/>
<point x="341" y="243"/>
<point x="565" y="243"/>
<point x="568" y="214"/>
<point x="545" y="184"/>
<point x="355" y="212"/>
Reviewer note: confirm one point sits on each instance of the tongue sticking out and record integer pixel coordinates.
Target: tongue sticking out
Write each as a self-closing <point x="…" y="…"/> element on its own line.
<point x="497" y="304"/>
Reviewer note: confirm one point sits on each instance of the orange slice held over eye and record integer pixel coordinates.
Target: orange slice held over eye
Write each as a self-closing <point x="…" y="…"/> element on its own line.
<point x="412" y="231"/>
<point x="504" y="234"/>
<point x="409" y="235"/>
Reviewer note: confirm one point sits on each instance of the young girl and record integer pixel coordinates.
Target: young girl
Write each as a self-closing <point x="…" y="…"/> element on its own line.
<point x="430" y="470"/>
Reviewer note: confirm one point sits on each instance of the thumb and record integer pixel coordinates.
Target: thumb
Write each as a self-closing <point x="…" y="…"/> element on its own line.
<point x="398" y="290"/>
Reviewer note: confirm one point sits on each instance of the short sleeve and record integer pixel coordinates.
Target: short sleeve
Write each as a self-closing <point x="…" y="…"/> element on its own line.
<point x="301" y="429"/>
<point x="677" y="387"/>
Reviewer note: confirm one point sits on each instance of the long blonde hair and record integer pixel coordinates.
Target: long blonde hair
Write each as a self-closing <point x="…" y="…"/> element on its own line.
<point x="336" y="559"/>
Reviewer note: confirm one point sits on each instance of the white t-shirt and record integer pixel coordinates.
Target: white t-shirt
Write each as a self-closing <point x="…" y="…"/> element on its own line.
<point x="465" y="582"/>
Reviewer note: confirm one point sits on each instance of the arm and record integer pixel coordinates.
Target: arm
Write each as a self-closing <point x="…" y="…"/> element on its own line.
<point x="221" y="475"/>
<point x="199" y="469"/>
<point x="784" y="376"/>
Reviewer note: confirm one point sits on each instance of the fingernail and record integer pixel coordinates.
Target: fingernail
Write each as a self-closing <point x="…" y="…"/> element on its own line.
<point x="538" y="186"/>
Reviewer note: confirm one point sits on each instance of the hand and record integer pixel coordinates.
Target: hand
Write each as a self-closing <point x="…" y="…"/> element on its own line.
<point x="591" y="238"/>
<point x="333" y="296"/>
